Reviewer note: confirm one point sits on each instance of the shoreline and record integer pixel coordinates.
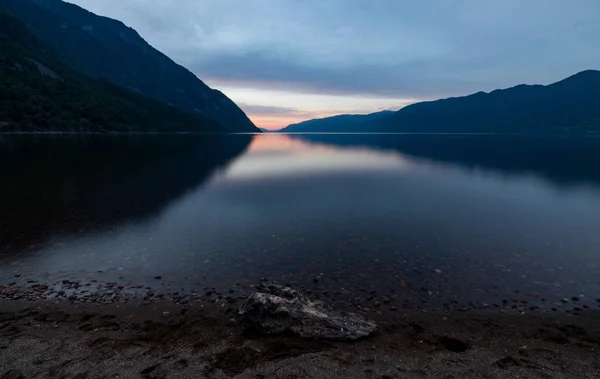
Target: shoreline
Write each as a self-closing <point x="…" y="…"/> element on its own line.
<point x="540" y="134"/>
<point x="166" y="340"/>
<point x="117" y="289"/>
<point x="54" y="133"/>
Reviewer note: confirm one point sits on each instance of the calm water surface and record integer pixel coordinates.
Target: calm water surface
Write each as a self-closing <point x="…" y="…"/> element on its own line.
<point x="425" y="220"/>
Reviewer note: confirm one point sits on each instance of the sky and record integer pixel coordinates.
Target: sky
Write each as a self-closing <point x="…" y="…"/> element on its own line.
<point x="284" y="61"/>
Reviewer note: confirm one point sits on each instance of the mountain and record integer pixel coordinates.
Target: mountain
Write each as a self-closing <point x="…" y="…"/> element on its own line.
<point x="105" y="48"/>
<point x="39" y="91"/>
<point x="570" y="105"/>
<point x="341" y="123"/>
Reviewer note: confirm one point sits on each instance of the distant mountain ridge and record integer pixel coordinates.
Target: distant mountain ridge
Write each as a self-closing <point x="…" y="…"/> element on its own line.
<point x="340" y="123"/>
<point x="571" y="105"/>
<point x="105" y="48"/>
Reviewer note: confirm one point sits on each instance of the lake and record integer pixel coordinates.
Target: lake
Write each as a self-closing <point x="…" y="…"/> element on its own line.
<point x="375" y="221"/>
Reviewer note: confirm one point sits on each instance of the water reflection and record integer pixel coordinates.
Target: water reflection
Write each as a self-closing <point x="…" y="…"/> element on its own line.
<point x="559" y="159"/>
<point x="279" y="155"/>
<point x="402" y="216"/>
<point x="60" y="185"/>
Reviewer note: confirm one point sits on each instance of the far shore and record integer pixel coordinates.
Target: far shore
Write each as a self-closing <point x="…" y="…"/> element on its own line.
<point x="570" y="134"/>
<point x="120" y="133"/>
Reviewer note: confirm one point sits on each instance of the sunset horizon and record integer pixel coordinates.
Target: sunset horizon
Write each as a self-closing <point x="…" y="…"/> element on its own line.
<point x="286" y="62"/>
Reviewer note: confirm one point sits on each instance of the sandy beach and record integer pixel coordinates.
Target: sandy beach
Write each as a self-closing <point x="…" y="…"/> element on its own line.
<point x="165" y="340"/>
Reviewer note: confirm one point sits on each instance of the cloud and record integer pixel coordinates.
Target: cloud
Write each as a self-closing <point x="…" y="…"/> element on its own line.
<point x="384" y="47"/>
<point x="286" y="107"/>
<point x="274" y="117"/>
<point x="285" y="61"/>
<point x="411" y="78"/>
<point x="268" y="110"/>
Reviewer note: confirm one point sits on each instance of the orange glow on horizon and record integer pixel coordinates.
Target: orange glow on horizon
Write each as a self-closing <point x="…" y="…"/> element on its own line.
<point x="276" y="108"/>
<point x="276" y="122"/>
<point x="276" y="142"/>
<point x="278" y="155"/>
<point x="273" y="122"/>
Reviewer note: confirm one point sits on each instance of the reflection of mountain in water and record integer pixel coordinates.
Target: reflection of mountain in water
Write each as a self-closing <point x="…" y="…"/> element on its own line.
<point x="55" y="185"/>
<point x="562" y="160"/>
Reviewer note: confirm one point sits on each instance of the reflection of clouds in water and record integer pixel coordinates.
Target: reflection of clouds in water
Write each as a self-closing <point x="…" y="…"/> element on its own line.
<point x="278" y="154"/>
<point x="276" y="142"/>
<point x="290" y="209"/>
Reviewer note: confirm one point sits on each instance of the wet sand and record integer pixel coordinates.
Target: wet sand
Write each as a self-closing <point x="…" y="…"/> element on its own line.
<point x="165" y="340"/>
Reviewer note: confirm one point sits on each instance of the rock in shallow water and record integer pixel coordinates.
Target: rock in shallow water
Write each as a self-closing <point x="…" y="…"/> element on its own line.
<point x="276" y="309"/>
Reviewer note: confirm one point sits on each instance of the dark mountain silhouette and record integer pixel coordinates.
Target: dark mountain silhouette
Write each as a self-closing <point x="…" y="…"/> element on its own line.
<point x="570" y="105"/>
<point x="562" y="160"/>
<point x="341" y="123"/>
<point x="114" y="179"/>
<point x="105" y="48"/>
<point x="40" y="92"/>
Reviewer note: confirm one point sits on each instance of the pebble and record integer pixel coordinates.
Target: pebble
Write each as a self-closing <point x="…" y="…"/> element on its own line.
<point x="106" y="293"/>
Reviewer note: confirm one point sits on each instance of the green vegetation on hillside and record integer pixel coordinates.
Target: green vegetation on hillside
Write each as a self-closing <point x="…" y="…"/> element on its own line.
<point x="39" y="91"/>
<point x="101" y="47"/>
